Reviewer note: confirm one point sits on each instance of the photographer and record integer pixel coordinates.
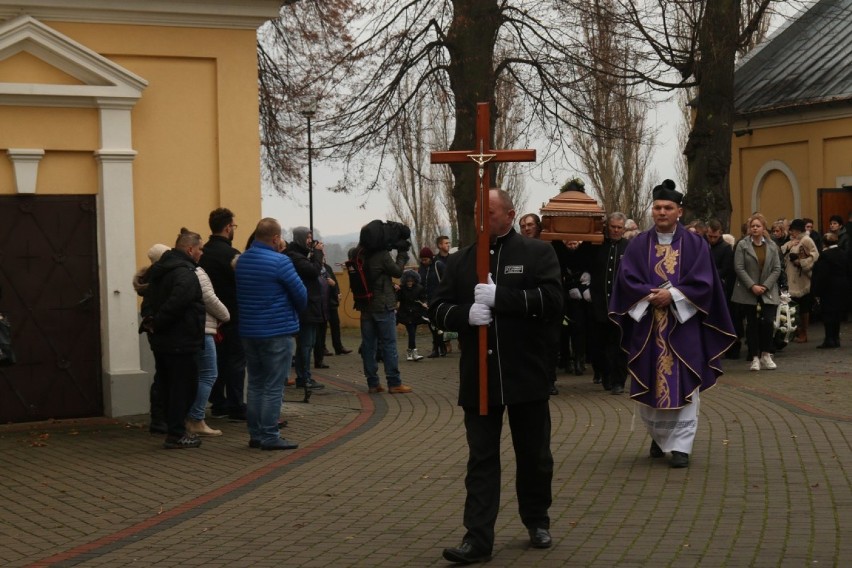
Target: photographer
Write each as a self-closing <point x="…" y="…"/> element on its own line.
<point x="378" y="318"/>
<point x="309" y="260"/>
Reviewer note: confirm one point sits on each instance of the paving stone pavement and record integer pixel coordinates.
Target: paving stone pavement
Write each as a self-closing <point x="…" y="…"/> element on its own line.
<point x="378" y="480"/>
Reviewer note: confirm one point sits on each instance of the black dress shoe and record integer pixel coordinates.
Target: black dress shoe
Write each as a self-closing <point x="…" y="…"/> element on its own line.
<point x="553" y="390"/>
<point x="656" y="451"/>
<point x="321" y="366"/>
<point x="616" y="389"/>
<point x="679" y="460"/>
<point x="540" y="538"/>
<point x="433" y="355"/>
<point x="466" y="554"/>
<point x="343" y="352"/>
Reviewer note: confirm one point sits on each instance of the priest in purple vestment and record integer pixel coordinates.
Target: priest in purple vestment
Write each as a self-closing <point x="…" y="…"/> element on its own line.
<point x="675" y="326"/>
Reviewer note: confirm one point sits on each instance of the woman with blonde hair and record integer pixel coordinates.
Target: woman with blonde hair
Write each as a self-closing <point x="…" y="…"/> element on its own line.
<point x="757" y="265"/>
<point x="800" y="253"/>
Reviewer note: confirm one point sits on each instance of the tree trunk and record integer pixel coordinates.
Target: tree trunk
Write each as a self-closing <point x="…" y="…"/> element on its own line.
<point x="708" y="150"/>
<point x="470" y="40"/>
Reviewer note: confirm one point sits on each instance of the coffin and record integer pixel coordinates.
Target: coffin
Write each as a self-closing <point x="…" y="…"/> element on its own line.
<point x="572" y="216"/>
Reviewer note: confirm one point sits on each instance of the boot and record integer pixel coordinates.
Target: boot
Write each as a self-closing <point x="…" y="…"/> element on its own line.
<point x="415" y="356"/>
<point x="200" y="428"/>
<point x="802" y="333"/>
<point x="409" y="355"/>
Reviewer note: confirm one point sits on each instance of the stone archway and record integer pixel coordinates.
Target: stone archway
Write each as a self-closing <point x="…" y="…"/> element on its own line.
<point x="760" y="178"/>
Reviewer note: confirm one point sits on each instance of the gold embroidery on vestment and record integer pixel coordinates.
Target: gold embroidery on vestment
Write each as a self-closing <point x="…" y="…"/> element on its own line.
<point x="669" y="261"/>
<point x="665" y="360"/>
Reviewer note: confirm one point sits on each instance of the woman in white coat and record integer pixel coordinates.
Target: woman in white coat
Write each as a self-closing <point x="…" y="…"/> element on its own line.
<point x="757" y="264"/>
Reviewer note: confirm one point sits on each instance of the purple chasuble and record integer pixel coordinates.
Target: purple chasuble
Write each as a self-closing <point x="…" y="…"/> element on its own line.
<point x="667" y="359"/>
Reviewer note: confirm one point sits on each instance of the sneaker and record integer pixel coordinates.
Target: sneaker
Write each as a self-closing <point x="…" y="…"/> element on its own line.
<point x="399" y="389"/>
<point x="200" y="428"/>
<point x="377" y="389"/>
<point x="755" y="364"/>
<point x="409" y="356"/>
<point x="767" y="363"/>
<point x="415" y="356"/>
<point x="182" y="443"/>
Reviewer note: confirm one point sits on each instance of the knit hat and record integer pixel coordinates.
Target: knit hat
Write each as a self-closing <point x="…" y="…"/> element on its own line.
<point x="156" y="251"/>
<point x="666" y="192"/>
<point x="426" y="252"/>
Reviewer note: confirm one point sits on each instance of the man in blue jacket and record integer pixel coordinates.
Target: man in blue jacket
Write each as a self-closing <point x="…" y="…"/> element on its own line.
<point x="270" y="296"/>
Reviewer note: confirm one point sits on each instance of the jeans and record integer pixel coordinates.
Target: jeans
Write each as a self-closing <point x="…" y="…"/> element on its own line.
<point x="379" y="329"/>
<point x="304" y="345"/>
<point x="268" y="363"/>
<point x="207" y="372"/>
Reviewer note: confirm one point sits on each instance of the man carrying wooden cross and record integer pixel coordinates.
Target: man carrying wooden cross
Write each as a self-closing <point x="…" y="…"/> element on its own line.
<point x="521" y="296"/>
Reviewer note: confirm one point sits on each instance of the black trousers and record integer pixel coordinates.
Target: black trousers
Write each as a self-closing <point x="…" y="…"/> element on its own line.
<point x="530" y="425"/>
<point x="177" y="374"/>
<point x="608" y="359"/>
<point x="759" y="328"/>
<point x="319" y="343"/>
<point x="334" y="327"/>
<point x="227" y="394"/>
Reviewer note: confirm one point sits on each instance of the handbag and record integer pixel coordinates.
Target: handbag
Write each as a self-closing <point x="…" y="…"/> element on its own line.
<point x="7" y="355"/>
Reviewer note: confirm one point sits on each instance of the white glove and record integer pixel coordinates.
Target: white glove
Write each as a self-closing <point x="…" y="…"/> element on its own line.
<point x="479" y="314"/>
<point x="587" y="295"/>
<point x="585" y="278"/>
<point x="574" y="294"/>
<point x="484" y="293"/>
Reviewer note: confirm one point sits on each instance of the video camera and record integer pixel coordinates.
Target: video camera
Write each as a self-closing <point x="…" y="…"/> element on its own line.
<point x="388" y="235"/>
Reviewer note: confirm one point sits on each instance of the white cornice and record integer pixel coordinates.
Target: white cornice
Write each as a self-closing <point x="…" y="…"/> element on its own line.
<point x="794" y="118"/>
<point x="235" y="14"/>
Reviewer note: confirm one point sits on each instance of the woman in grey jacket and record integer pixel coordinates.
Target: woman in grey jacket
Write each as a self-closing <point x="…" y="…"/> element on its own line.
<point x="758" y="265"/>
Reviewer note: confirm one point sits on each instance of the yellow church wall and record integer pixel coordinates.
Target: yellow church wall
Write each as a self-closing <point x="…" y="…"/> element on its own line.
<point x="62" y="172"/>
<point x="48" y="128"/>
<point x="812" y="154"/>
<point x="26" y="68"/>
<point x="195" y="127"/>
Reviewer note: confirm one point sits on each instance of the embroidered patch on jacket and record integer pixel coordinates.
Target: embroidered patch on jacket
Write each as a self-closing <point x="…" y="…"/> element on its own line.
<point x="514" y="269"/>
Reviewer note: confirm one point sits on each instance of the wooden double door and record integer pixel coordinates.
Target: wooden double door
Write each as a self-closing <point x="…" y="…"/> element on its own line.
<point x="49" y="280"/>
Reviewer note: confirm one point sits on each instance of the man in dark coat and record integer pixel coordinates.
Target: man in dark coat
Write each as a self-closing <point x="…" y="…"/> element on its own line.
<point x="723" y="258"/>
<point x="608" y="359"/>
<point x="226" y="398"/>
<point x="308" y="258"/>
<point x="830" y="283"/>
<point x="518" y="304"/>
<point x="173" y="315"/>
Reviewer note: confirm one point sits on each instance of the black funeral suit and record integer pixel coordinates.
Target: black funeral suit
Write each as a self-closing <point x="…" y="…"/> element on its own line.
<point x="608" y="360"/>
<point x="527" y="298"/>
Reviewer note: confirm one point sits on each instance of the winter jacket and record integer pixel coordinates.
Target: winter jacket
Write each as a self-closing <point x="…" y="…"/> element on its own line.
<point x="309" y="266"/>
<point x="173" y="309"/>
<point x="381" y="269"/>
<point x="270" y="293"/>
<point x="831" y="283"/>
<point x="215" y="310"/>
<point x="748" y="273"/>
<point x="412" y="300"/>
<point x="218" y="262"/>
<point x="799" y="272"/>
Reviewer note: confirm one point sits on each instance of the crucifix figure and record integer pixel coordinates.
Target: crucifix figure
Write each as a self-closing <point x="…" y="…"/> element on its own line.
<point x="485" y="156"/>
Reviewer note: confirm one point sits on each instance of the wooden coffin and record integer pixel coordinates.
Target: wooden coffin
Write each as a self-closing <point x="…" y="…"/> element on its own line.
<point x="572" y="216"/>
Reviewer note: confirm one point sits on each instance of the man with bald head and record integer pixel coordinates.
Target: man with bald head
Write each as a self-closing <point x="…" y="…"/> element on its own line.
<point x="270" y="295"/>
<point x="518" y="305"/>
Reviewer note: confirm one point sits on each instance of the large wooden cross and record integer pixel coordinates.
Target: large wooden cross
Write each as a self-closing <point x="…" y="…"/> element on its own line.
<point x="482" y="156"/>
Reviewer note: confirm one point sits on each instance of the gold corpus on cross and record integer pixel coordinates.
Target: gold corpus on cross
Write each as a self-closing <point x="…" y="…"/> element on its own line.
<point x="485" y="156"/>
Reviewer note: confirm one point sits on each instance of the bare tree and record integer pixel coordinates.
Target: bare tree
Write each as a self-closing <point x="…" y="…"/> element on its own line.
<point x="616" y="152"/>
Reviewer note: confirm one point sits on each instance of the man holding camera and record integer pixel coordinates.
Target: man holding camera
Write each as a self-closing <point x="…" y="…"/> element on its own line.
<point x="378" y="318"/>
